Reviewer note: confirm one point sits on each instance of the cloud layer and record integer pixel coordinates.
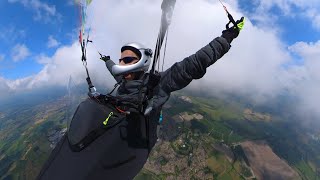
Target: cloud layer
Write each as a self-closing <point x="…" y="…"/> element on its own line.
<point x="259" y="65"/>
<point x="308" y="76"/>
<point x="52" y="42"/>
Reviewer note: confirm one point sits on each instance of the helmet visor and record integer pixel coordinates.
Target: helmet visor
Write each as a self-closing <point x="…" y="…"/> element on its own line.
<point x="127" y="60"/>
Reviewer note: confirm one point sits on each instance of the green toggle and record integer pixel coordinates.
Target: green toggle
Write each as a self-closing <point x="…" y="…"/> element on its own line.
<point x="241" y="24"/>
<point x="107" y="119"/>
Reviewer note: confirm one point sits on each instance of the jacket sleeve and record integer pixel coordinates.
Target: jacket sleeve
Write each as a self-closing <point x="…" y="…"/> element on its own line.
<point x="109" y="65"/>
<point x="182" y="73"/>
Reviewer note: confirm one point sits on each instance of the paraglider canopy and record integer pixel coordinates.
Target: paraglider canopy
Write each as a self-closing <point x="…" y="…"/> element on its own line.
<point x="83" y="4"/>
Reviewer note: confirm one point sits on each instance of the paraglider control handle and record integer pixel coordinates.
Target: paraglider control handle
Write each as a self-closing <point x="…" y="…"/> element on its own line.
<point x="231" y="20"/>
<point x="105" y="58"/>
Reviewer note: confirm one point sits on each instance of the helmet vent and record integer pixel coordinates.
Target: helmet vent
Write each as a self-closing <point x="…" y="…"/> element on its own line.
<point x="148" y="52"/>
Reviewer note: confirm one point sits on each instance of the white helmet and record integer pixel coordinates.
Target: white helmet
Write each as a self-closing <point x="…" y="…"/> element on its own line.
<point x="143" y="64"/>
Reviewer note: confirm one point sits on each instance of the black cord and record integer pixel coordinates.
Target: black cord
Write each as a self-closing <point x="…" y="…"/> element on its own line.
<point x="165" y="48"/>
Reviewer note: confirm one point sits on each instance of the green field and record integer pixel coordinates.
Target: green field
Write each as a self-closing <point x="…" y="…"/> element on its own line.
<point x="26" y="148"/>
<point x="224" y="122"/>
<point x="24" y="145"/>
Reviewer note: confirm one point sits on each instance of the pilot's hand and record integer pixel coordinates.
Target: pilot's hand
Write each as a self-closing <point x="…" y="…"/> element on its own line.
<point x="105" y="58"/>
<point x="233" y="32"/>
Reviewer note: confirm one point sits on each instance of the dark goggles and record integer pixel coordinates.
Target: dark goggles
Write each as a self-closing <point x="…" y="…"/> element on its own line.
<point x="127" y="60"/>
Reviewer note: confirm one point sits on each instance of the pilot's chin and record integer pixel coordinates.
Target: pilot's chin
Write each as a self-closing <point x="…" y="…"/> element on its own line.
<point x="128" y="76"/>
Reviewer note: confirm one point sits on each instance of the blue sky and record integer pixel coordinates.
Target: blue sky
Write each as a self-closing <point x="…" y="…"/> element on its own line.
<point x="296" y="27"/>
<point x="31" y="25"/>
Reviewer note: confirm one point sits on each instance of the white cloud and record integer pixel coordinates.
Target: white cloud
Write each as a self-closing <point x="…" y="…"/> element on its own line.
<point x="254" y="66"/>
<point x="52" y="42"/>
<point x="291" y="8"/>
<point x="43" y="59"/>
<point x="57" y="69"/>
<point x="19" y="84"/>
<point x="19" y="52"/>
<point x="308" y="51"/>
<point x="4" y="88"/>
<point x="308" y="86"/>
<point x="315" y="16"/>
<point x="43" y="11"/>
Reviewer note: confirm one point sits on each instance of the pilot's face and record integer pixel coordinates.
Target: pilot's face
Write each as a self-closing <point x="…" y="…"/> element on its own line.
<point x="131" y="58"/>
<point x="128" y="57"/>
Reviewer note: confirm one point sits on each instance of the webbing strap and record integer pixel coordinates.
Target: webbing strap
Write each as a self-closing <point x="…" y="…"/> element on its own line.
<point x="93" y="135"/>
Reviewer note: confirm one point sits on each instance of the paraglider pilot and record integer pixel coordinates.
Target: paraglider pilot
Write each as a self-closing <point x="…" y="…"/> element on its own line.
<point x="118" y="147"/>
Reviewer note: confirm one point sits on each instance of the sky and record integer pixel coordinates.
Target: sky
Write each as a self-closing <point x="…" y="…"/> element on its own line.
<point x="277" y="52"/>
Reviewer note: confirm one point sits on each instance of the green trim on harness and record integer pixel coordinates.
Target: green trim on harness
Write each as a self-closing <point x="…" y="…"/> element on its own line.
<point x="105" y="122"/>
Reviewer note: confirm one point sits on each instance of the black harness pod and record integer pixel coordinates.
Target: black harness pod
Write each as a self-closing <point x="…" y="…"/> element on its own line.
<point x="101" y="143"/>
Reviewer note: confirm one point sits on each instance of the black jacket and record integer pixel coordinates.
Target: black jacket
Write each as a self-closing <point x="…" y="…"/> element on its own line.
<point x="176" y="77"/>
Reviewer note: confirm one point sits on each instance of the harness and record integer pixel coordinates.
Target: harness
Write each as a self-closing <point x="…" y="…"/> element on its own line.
<point x="92" y="118"/>
<point x="99" y="112"/>
<point x="96" y="115"/>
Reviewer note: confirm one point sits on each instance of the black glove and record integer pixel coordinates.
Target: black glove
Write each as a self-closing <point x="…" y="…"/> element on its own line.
<point x="233" y="32"/>
<point x="105" y="58"/>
